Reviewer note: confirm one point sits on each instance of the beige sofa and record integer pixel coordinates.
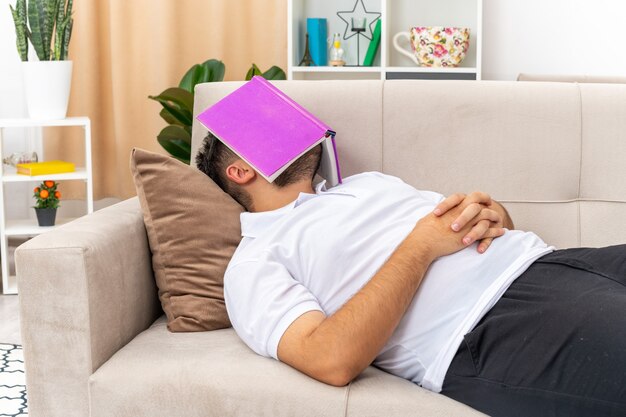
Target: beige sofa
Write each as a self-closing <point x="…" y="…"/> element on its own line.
<point x="554" y="153"/>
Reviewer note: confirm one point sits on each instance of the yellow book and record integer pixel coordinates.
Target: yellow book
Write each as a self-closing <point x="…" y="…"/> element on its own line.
<point x="45" y="168"/>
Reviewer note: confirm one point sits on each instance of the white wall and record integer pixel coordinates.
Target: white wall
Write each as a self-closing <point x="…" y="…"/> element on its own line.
<point x="553" y="37"/>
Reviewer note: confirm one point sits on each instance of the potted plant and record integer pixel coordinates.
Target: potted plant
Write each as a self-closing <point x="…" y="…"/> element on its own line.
<point x="47" y="197"/>
<point x="47" y="25"/>
<point x="177" y="104"/>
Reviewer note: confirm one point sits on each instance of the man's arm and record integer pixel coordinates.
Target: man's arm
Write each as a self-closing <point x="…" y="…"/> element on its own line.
<point x="336" y="349"/>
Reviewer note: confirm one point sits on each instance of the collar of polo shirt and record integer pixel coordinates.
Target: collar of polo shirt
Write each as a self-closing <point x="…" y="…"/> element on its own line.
<point x="255" y="224"/>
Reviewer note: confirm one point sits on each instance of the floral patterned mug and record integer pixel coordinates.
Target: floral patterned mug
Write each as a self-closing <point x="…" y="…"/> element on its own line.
<point x="435" y="46"/>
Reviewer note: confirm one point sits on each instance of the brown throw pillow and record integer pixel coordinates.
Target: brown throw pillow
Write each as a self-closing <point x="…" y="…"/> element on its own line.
<point x="193" y="230"/>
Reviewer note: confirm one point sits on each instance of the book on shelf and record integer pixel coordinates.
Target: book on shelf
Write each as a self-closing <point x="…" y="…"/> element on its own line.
<point x="45" y="168"/>
<point x="269" y="130"/>
<point x="373" y="48"/>
<point x="317" y="30"/>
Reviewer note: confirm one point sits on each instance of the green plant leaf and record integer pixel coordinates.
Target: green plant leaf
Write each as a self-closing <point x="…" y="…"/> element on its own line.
<point x="19" y="18"/>
<point x="191" y="77"/>
<point x="67" y="35"/>
<point x="183" y="116"/>
<point x="36" y="20"/>
<point x="254" y="70"/>
<point x="58" y="36"/>
<point x="50" y="16"/>
<point x="178" y="96"/>
<point x="214" y="71"/>
<point x="58" y="39"/>
<point x="177" y="142"/>
<point x="169" y="117"/>
<point x="178" y="102"/>
<point x="274" y="73"/>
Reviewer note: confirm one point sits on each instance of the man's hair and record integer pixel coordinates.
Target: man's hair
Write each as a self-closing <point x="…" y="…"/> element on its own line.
<point x="214" y="157"/>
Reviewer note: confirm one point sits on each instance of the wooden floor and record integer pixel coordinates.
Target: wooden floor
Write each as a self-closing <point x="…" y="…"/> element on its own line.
<point x="9" y="320"/>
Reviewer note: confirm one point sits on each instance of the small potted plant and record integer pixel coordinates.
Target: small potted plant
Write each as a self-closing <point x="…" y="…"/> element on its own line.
<point x="47" y="197"/>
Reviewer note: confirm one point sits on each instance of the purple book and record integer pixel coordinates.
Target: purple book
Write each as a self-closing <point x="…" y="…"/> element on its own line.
<point x="270" y="131"/>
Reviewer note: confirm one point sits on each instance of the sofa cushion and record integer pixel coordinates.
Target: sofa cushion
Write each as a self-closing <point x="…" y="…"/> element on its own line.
<point x="216" y="374"/>
<point x="193" y="229"/>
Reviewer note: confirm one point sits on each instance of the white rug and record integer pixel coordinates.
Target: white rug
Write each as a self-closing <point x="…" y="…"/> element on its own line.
<point x="12" y="382"/>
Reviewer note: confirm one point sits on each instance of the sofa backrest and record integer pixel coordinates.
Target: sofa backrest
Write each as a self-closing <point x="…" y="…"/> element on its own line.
<point x="553" y="153"/>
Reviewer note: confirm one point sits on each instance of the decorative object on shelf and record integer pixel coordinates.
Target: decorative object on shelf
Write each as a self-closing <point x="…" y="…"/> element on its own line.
<point x="357" y="24"/>
<point x="435" y="46"/>
<point x="336" y="52"/>
<point x="317" y="33"/>
<point x="177" y="104"/>
<point x="47" y="197"/>
<point x="374" y="44"/>
<point x="307" y="59"/>
<point x="47" y="24"/>
<point x="20" y="158"/>
<point x="45" y="168"/>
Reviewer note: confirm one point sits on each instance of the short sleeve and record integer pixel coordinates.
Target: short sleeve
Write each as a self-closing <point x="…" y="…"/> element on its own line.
<point x="262" y="300"/>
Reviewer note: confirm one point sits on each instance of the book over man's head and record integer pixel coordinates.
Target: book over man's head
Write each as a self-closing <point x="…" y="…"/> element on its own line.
<point x="269" y="130"/>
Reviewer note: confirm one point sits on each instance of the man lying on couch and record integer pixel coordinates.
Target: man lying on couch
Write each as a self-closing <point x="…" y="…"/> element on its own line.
<point x="433" y="290"/>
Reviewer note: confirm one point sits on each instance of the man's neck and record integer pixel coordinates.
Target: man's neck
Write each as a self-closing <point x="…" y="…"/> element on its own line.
<point x="272" y="197"/>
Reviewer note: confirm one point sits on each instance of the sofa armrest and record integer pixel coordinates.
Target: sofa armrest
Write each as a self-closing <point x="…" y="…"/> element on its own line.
<point x="85" y="290"/>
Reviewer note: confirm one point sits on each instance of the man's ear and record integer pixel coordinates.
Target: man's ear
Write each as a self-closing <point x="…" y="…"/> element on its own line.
<point x="240" y="172"/>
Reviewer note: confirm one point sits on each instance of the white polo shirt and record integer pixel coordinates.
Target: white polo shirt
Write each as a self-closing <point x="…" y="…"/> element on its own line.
<point x="318" y="251"/>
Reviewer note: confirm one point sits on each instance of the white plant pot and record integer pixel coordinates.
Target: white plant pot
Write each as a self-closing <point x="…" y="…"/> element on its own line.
<point x="47" y="87"/>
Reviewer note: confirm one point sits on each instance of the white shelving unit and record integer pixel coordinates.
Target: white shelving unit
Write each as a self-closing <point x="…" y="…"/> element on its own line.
<point x="397" y="16"/>
<point x="29" y="227"/>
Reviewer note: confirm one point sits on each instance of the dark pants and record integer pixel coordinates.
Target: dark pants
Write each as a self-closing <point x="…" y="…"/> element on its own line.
<point x="554" y="344"/>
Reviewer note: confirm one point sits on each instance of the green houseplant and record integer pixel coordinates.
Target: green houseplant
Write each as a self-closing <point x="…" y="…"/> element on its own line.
<point x="47" y="201"/>
<point x="177" y="104"/>
<point x="47" y="26"/>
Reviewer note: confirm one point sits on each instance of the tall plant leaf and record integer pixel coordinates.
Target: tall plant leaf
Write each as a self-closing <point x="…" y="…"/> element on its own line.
<point x="67" y="34"/>
<point x="49" y="14"/>
<point x="58" y="36"/>
<point x="37" y="26"/>
<point x="19" y="18"/>
<point x="58" y="39"/>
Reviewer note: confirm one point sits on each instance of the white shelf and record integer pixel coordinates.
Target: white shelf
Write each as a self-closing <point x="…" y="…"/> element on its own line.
<point x="336" y="69"/>
<point x="25" y="122"/>
<point x="433" y="70"/>
<point x="11" y="176"/>
<point x="29" y="227"/>
<point x="396" y="16"/>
